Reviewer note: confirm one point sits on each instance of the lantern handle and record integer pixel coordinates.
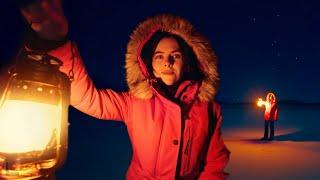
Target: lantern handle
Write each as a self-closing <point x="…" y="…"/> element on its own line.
<point x="2" y="98"/>
<point x="71" y="73"/>
<point x="43" y="58"/>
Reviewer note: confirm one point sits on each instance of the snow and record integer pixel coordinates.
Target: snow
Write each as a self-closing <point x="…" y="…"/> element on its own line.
<point x="294" y="154"/>
<point x="101" y="149"/>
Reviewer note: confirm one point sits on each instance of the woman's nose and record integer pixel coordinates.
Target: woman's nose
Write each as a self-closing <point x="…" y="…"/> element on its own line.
<point x="169" y="61"/>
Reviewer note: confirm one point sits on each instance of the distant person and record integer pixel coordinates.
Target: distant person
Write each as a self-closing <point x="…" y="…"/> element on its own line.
<point x="173" y="121"/>
<point x="270" y="116"/>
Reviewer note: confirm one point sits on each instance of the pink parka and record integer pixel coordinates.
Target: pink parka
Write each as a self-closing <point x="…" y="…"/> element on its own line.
<point x="165" y="137"/>
<point x="271" y="112"/>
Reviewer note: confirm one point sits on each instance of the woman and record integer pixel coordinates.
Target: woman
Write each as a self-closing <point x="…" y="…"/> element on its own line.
<point x="270" y="116"/>
<point x="173" y="122"/>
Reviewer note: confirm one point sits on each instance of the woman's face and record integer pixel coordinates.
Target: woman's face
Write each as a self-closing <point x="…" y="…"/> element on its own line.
<point x="271" y="98"/>
<point x="167" y="61"/>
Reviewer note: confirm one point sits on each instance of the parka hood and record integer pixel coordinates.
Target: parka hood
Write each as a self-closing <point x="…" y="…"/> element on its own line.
<point x="138" y="79"/>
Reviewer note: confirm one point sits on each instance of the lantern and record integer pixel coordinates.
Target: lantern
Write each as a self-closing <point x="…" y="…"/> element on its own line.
<point x="270" y="97"/>
<point x="260" y="102"/>
<point x="33" y="118"/>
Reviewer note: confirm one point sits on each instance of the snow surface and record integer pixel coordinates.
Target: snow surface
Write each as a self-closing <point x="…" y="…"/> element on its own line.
<point x="294" y="154"/>
<point x="101" y="149"/>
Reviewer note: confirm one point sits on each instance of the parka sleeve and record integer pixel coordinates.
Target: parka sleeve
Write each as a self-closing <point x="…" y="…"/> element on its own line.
<point x="217" y="155"/>
<point x="275" y="116"/>
<point x="99" y="103"/>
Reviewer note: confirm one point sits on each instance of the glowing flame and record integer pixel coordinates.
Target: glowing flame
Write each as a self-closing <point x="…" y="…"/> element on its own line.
<point x="260" y="102"/>
<point x="27" y="126"/>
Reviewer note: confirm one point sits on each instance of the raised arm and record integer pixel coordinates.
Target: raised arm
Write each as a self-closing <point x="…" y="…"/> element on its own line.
<point x="102" y="103"/>
<point x="275" y="116"/>
<point x="48" y="30"/>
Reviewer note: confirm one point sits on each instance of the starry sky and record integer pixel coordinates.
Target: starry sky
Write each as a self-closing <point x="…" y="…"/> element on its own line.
<point x="262" y="46"/>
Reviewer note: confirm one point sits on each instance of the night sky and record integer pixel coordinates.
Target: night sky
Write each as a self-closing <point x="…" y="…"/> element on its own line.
<point x="262" y="46"/>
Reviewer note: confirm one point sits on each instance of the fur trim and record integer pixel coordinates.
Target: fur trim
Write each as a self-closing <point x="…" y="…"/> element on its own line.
<point x="137" y="79"/>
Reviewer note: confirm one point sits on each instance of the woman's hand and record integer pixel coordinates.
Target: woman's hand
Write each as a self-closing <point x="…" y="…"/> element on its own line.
<point x="46" y="18"/>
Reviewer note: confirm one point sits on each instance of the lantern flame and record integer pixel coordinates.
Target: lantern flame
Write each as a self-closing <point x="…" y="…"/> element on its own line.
<point x="27" y="126"/>
<point x="260" y="102"/>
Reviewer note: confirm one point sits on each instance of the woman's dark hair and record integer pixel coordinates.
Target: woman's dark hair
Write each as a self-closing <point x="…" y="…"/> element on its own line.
<point x="191" y="69"/>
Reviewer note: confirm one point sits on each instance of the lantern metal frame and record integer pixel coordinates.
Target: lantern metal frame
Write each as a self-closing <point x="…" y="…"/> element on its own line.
<point x="38" y="68"/>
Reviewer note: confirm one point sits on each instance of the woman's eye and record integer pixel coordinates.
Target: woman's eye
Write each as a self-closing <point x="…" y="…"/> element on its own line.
<point x="158" y="57"/>
<point x="176" y="56"/>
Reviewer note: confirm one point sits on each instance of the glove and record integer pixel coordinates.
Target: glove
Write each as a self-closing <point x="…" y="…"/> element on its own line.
<point x="46" y="19"/>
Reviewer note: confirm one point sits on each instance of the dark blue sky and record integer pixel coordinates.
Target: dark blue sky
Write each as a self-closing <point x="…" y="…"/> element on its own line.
<point x="261" y="46"/>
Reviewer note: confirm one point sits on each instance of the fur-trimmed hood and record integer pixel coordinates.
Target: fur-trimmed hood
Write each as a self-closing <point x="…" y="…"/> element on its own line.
<point x="137" y="75"/>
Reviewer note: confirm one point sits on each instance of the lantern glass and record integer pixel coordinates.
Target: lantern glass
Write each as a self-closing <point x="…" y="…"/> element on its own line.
<point x="29" y="130"/>
<point x="33" y="125"/>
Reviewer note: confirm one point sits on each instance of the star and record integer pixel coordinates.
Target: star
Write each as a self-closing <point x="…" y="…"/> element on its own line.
<point x="299" y="59"/>
<point x="276" y="12"/>
<point x="254" y="20"/>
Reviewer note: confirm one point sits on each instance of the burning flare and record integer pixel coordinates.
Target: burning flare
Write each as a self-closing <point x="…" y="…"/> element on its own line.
<point x="261" y="102"/>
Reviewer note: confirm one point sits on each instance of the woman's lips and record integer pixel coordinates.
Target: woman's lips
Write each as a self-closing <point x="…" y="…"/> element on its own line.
<point x="168" y="72"/>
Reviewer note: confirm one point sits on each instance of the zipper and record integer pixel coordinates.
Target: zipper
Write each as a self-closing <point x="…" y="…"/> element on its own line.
<point x="159" y="151"/>
<point x="187" y="149"/>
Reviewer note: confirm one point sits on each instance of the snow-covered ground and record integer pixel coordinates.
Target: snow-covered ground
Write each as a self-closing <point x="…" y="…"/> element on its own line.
<point x="101" y="149"/>
<point x="294" y="154"/>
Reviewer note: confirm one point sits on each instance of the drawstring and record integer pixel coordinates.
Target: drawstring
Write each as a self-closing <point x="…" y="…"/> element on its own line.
<point x="71" y="73"/>
<point x="151" y="81"/>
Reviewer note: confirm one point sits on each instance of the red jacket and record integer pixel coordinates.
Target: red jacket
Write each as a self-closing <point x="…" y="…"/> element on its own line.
<point x="271" y="113"/>
<point x="163" y="134"/>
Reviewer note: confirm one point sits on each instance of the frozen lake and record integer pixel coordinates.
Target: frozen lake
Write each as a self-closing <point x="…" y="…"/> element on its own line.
<point x="101" y="149"/>
<point x="296" y="122"/>
<point x="295" y="153"/>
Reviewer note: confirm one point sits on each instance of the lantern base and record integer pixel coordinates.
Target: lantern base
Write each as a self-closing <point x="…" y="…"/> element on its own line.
<point x="43" y="177"/>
